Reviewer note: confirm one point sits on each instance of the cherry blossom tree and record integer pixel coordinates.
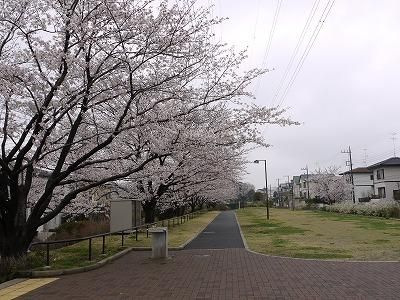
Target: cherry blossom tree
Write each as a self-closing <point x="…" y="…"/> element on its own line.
<point x="329" y="187"/>
<point x="96" y="91"/>
<point x="210" y="146"/>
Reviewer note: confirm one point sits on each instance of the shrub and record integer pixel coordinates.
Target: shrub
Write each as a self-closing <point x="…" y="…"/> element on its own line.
<point x="77" y="229"/>
<point x="10" y="266"/>
<point x="382" y="208"/>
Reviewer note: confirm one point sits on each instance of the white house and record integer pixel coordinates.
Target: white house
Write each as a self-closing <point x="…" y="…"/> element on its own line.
<point x="386" y="177"/>
<point x="363" y="183"/>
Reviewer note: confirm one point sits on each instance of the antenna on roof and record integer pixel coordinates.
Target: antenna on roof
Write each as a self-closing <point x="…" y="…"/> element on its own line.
<point x="393" y="138"/>
<point x="365" y="156"/>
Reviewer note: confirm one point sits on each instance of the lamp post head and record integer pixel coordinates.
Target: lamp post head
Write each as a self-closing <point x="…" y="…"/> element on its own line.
<point x="256" y="161"/>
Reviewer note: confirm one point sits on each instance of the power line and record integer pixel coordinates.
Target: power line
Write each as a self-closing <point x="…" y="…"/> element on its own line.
<point x="271" y="34"/>
<point x="256" y="23"/>
<point x="269" y="41"/>
<point x="308" y="48"/>
<point x="296" y="49"/>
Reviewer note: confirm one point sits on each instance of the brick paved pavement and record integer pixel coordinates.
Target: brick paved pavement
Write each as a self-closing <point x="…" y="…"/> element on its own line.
<point x="227" y="274"/>
<point x="233" y="273"/>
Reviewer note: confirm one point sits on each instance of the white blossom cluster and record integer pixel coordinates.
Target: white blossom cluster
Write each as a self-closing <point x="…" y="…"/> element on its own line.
<point x="382" y="208"/>
<point x="99" y="92"/>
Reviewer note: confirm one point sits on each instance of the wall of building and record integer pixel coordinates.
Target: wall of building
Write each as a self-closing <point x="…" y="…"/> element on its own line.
<point x="363" y="185"/>
<point x="390" y="182"/>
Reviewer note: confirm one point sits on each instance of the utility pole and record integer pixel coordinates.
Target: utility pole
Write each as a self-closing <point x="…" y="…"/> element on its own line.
<point x="292" y="193"/>
<point x="308" y="185"/>
<point x="290" y="198"/>
<point x="279" y="194"/>
<point x="350" y="162"/>
<point x="266" y="182"/>
<point x="270" y="191"/>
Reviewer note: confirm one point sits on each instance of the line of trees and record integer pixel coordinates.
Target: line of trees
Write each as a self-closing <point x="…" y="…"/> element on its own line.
<point x="101" y="91"/>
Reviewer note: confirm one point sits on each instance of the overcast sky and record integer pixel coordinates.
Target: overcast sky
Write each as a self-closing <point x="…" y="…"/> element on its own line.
<point x="346" y="93"/>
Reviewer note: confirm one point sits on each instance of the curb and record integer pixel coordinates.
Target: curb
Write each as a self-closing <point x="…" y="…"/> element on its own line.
<point x="246" y="246"/>
<point x="11" y="282"/>
<point x="51" y="273"/>
<point x="99" y="264"/>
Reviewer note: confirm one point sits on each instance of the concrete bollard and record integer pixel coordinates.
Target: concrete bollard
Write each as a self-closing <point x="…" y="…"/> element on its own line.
<point x="159" y="236"/>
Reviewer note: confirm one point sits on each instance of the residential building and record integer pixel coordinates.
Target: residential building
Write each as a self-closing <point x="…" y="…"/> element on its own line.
<point x="363" y="183"/>
<point x="307" y="186"/>
<point x="386" y="178"/>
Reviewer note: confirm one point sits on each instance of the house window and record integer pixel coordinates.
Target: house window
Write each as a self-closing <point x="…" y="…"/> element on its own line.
<point x="380" y="174"/>
<point x="371" y="177"/>
<point x="396" y="194"/>
<point x="304" y="184"/>
<point x="381" y="192"/>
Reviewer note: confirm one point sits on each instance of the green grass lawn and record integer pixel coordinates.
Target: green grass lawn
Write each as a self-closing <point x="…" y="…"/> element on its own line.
<point x="323" y="235"/>
<point x="77" y="255"/>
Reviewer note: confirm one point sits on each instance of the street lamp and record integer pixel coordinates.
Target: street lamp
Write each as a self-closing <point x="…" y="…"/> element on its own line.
<point x="266" y="182"/>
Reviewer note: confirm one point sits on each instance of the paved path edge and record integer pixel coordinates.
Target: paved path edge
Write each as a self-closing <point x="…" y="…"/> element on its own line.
<point x="241" y="234"/>
<point x="11" y="282"/>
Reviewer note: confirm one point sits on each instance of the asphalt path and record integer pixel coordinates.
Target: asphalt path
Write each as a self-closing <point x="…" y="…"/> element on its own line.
<point x="222" y="233"/>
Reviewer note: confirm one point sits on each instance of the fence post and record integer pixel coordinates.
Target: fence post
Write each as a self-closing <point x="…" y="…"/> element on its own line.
<point x="104" y="244"/>
<point x="136" y="233"/>
<point x="48" y="255"/>
<point x="147" y="231"/>
<point x="90" y="249"/>
<point x="122" y="238"/>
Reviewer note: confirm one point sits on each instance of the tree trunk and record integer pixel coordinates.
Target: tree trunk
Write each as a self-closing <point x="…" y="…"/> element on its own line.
<point x="15" y="243"/>
<point x="15" y="234"/>
<point x="149" y="209"/>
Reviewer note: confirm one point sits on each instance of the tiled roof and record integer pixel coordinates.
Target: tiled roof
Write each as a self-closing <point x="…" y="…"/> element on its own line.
<point x="358" y="170"/>
<point x="393" y="161"/>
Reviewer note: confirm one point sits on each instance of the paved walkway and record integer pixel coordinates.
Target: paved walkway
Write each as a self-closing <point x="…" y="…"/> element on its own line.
<point x="233" y="273"/>
<point x="222" y="233"/>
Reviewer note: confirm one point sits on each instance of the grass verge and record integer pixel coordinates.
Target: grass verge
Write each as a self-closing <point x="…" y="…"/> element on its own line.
<point x="320" y="235"/>
<point x="76" y="255"/>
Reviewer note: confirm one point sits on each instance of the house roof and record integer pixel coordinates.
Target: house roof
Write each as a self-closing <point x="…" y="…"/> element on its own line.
<point x="310" y="176"/>
<point x="358" y="170"/>
<point x="393" y="161"/>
